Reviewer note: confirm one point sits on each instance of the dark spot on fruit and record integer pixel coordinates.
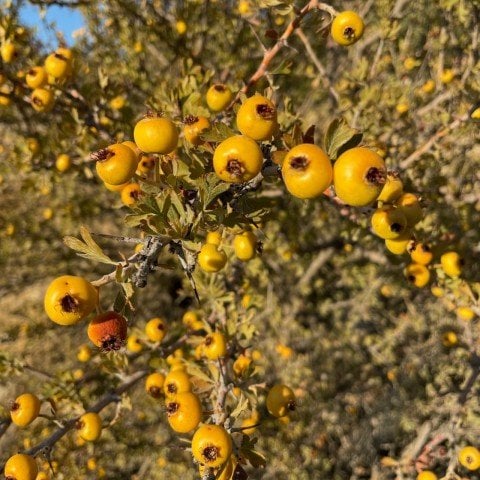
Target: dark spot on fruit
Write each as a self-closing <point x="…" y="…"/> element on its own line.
<point x="172" y="407"/>
<point x="349" y="33"/>
<point x="235" y="167"/>
<point x="299" y="163"/>
<point x="396" y="227"/>
<point x="376" y="176"/>
<point x="266" y="112"/>
<point x="111" y="343"/>
<point x="210" y="454"/>
<point x="219" y="87"/>
<point x="292" y="405"/>
<point x="155" y="392"/>
<point x="69" y="304"/>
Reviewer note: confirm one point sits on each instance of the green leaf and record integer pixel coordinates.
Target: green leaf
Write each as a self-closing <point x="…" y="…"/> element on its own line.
<point x="340" y="137"/>
<point x="87" y="248"/>
<point x="218" y="132"/>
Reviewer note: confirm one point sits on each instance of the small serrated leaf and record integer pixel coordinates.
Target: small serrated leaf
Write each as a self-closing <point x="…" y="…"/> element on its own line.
<point x="88" y="248"/>
<point x="340" y="137"/>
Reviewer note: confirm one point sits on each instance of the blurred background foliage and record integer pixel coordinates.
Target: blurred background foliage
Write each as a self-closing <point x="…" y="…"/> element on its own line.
<point x="366" y="353"/>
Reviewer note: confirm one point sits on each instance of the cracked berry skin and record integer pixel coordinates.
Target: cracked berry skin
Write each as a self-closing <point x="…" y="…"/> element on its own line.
<point x="108" y="331"/>
<point x="69" y="299"/>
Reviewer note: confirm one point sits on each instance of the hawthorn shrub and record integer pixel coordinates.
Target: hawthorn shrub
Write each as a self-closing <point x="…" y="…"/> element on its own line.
<point x="302" y="317"/>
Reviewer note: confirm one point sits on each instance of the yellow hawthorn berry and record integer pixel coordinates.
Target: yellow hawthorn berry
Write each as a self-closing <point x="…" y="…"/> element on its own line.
<point x="429" y="86"/>
<point x="176" y="382"/>
<point x="57" y="65"/>
<point x="184" y="412"/>
<point x="154" y="384"/>
<point x="211" y="445"/>
<point x="215" y="238"/>
<point x="257" y="118"/>
<point x="469" y="457"/>
<point x="189" y="318"/>
<point x="180" y="27"/>
<point x="156" y="135"/>
<point x="241" y="364"/>
<point x="358" y="176"/>
<point x="284" y="351"/>
<point x="244" y="245"/>
<point x="63" y="162"/>
<point x="426" y="475"/>
<point x="194" y="126"/>
<point x="117" y="103"/>
<point x="89" y="426"/>
<point x="155" y="329"/>
<point x="42" y="476"/>
<point x="69" y="299"/>
<point x="280" y="400"/>
<point x="36" y="77"/>
<point x="417" y="275"/>
<point x="8" y="52"/>
<point x="447" y="76"/>
<point x="386" y="291"/>
<point x="47" y="213"/>
<point x="84" y="353"/>
<point x="211" y="259"/>
<point x="115" y="188"/>
<point x="249" y="424"/>
<point x="138" y="47"/>
<point x="392" y="189"/>
<point x="42" y="99"/>
<point x="449" y="339"/>
<point x="437" y="291"/>
<point x="237" y="159"/>
<point x="465" y="313"/>
<point x="399" y="245"/>
<point x="219" y="97"/>
<point x="33" y="145"/>
<point x="388" y="223"/>
<point x="20" y="467"/>
<point x="410" y="63"/>
<point x="108" y="331"/>
<point x="452" y="264"/>
<point x="25" y="409"/>
<point x="134" y="344"/>
<point x="146" y="164"/>
<point x="347" y="28"/>
<point x="307" y="171"/>
<point x="215" y="346"/>
<point x="115" y="164"/>
<point x="402" y="108"/>
<point x="257" y="355"/>
<point x="244" y="7"/>
<point x="130" y="194"/>
<point x="409" y="204"/>
<point x="420" y="253"/>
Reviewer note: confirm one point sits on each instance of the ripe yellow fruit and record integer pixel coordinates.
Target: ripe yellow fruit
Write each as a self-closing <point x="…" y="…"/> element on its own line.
<point x="156" y="135"/>
<point x="194" y="127"/>
<point x="409" y="204"/>
<point x="237" y="159"/>
<point x="447" y="76"/>
<point x="417" y="275"/>
<point x="392" y="189"/>
<point x="36" y="77"/>
<point x="244" y="246"/>
<point x="8" y="52"/>
<point x="449" y="339"/>
<point x="189" y="318"/>
<point x="184" y="412"/>
<point x="181" y="27"/>
<point x="426" y="475"/>
<point x="63" y="162"/>
<point x="429" y="86"/>
<point x="117" y="103"/>
<point x="307" y="171"/>
<point x="133" y="147"/>
<point x="219" y="97"/>
<point x="89" y="426"/>
<point x="58" y="65"/>
<point x="469" y="457"/>
<point x="177" y="381"/>
<point x="134" y="344"/>
<point x="130" y="194"/>
<point x="347" y="28"/>
<point x="215" y="238"/>
<point x="211" y="259"/>
<point x="154" y="384"/>
<point x="115" y="164"/>
<point x="241" y="364"/>
<point x="399" y="245"/>
<point x="69" y="299"/>
<point x="21" y="467"/>
<point x="155" y="329"/>
<point x="420" y="253"/>
<point x="25" y="409"/>
<point x="358" y="176"/>
<point x="211" y="445"/>
<point x="215" y="346"/>
<point x="388" y="223"/>
<point x="257" y="118"/>
<point x="33" y="145"/>
<point x="42" y="100"/>
<point x="84" y="353"/>
<point x="452" y="264"/>
<point x="465" y="313"/>
<point x="280" y="400"/>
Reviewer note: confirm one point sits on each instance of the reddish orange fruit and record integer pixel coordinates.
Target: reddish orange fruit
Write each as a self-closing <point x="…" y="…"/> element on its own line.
<point x="108" y="331"/>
